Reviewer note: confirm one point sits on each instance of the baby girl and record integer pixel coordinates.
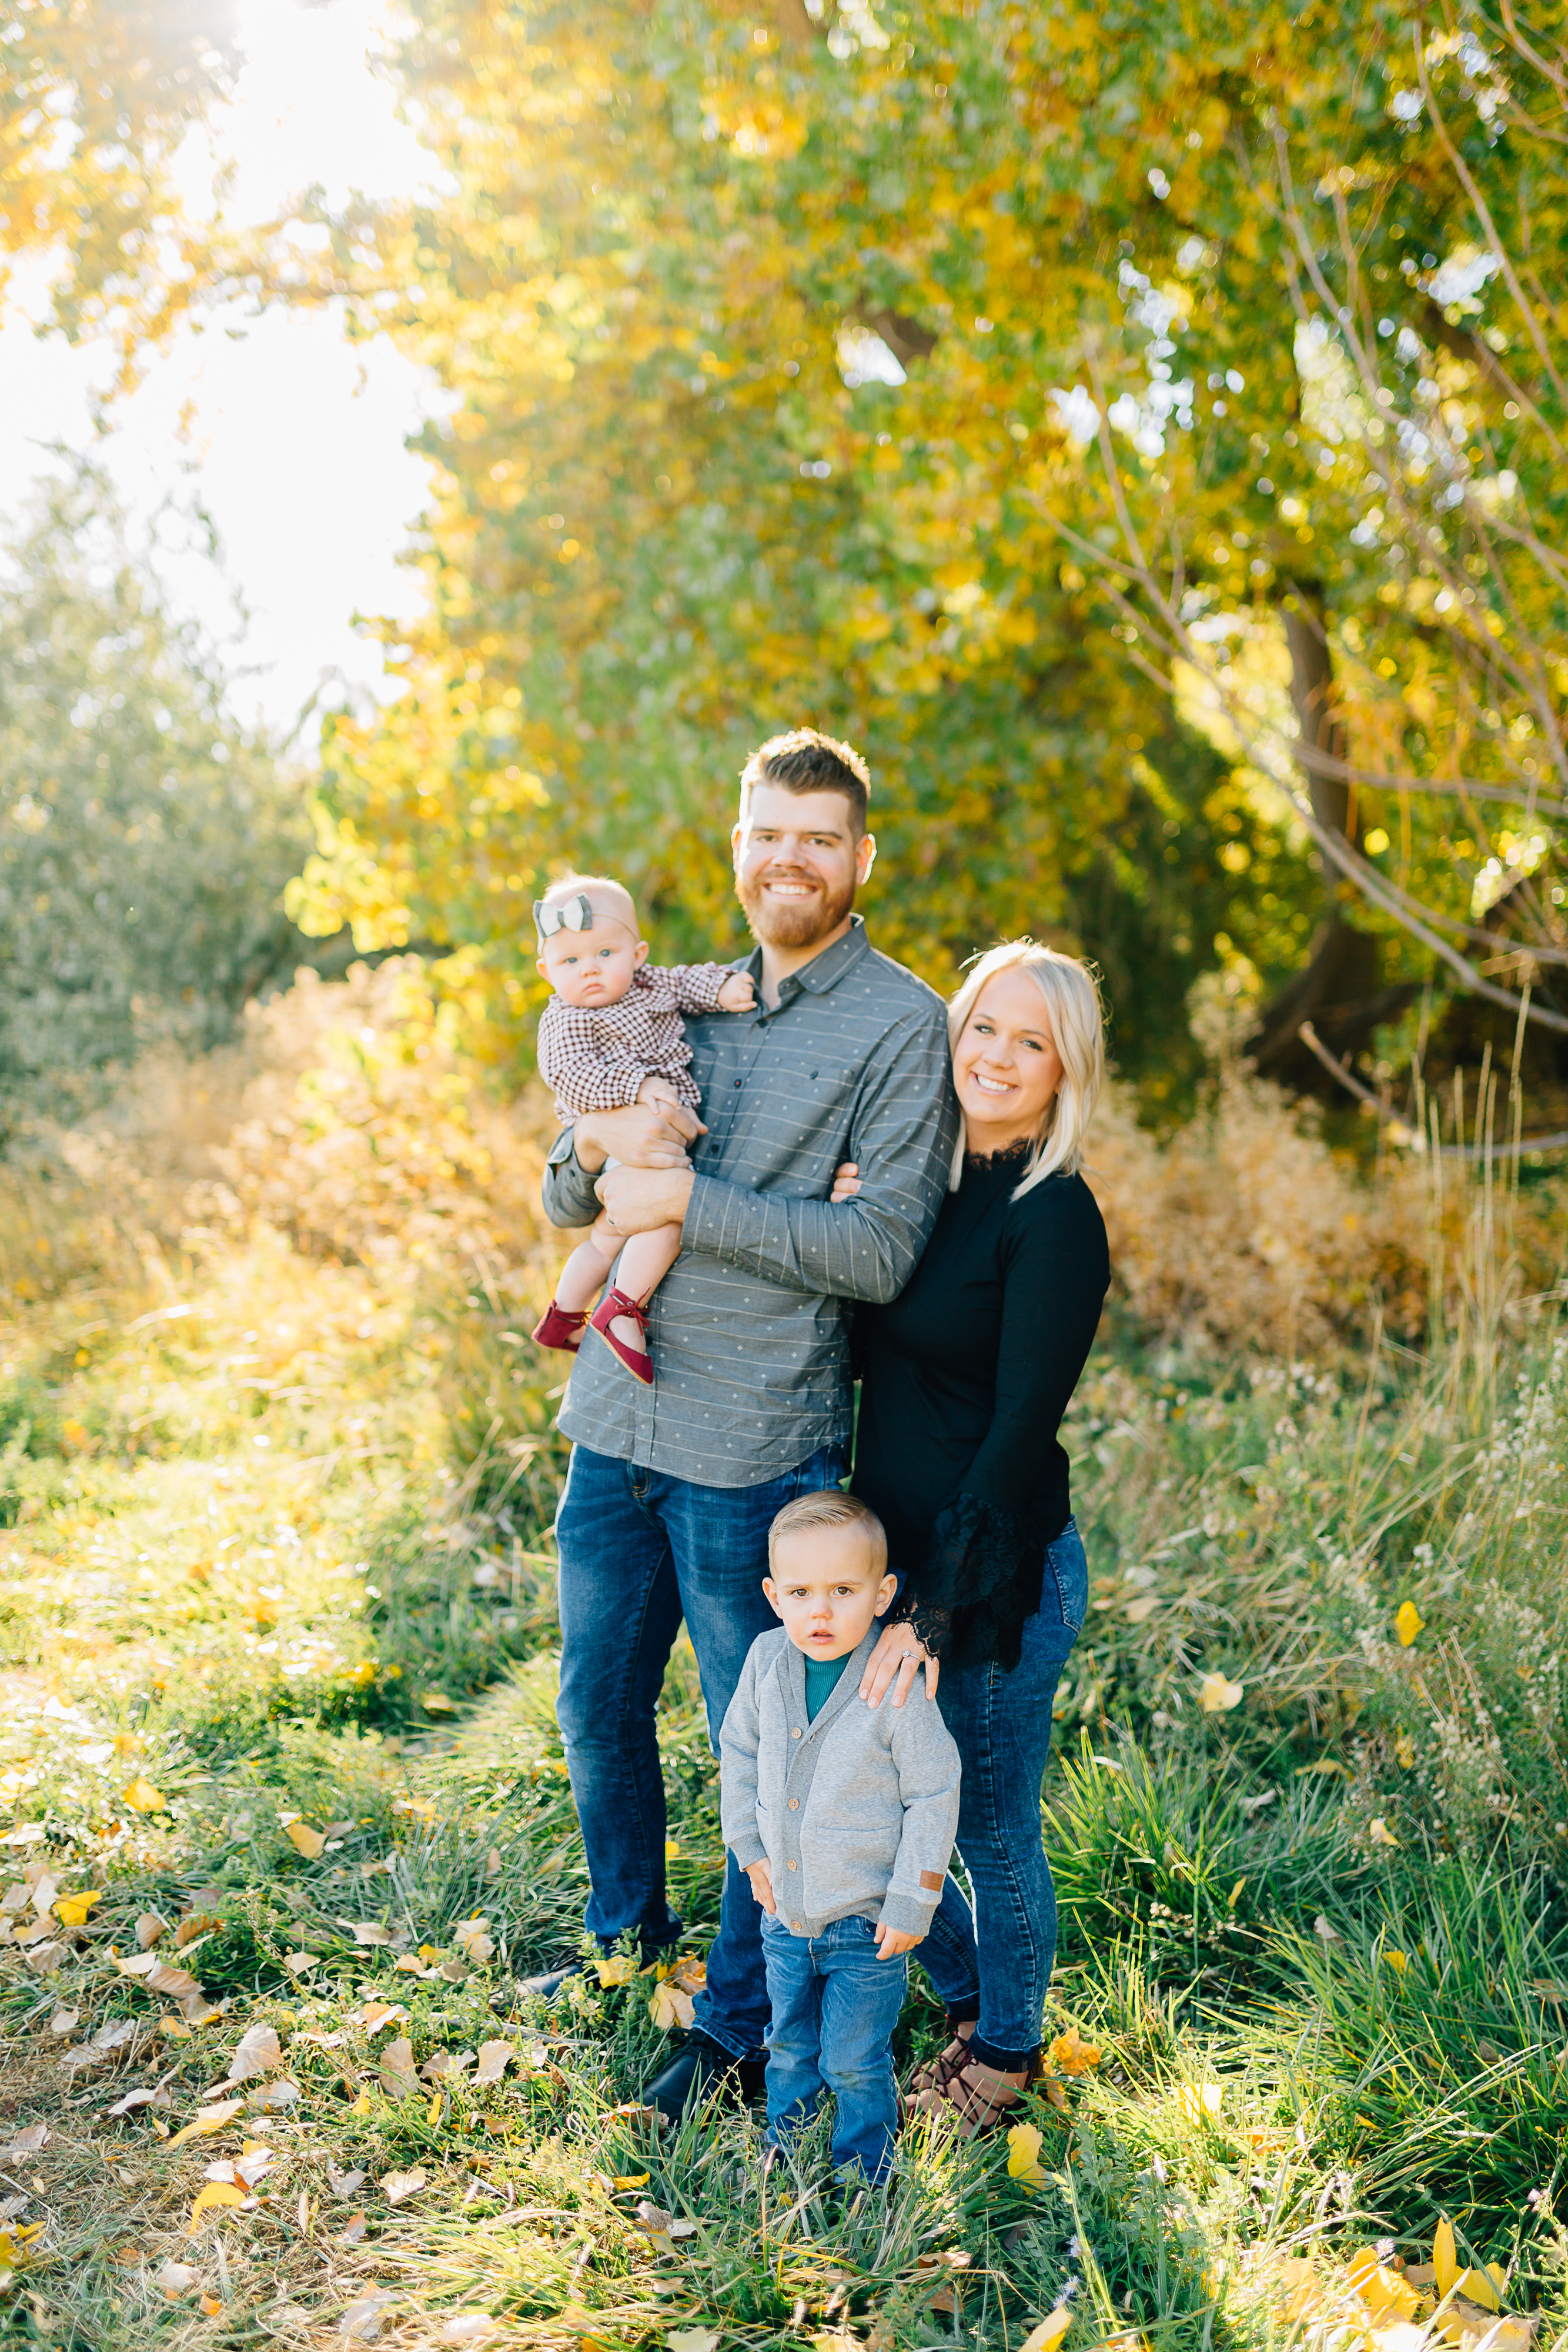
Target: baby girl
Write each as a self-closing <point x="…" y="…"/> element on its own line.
<point x="610" y="1034"/>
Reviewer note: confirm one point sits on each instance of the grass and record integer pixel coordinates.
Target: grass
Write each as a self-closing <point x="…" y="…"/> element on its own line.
<point x="275" y="1603"/>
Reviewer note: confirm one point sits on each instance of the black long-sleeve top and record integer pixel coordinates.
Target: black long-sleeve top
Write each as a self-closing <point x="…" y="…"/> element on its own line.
<point x="966" y="1376"/>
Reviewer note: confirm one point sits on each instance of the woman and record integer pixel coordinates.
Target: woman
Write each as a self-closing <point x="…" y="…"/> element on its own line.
<point x="966" y="1378"/>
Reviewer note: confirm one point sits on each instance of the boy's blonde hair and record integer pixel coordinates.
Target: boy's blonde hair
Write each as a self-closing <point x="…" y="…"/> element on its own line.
<point x="832" y="1508"/>
<point x="1071" y="993"/>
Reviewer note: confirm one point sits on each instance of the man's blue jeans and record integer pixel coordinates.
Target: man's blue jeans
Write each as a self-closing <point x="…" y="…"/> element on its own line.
<point x="835" y="2004"/>
<point x="992" y="1959"/>
<point x="639" y="1552"/>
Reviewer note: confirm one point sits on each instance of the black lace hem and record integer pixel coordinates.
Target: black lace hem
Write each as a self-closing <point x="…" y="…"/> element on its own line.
<point x="932" y="1626"/>
<point x="980" y="1583"/>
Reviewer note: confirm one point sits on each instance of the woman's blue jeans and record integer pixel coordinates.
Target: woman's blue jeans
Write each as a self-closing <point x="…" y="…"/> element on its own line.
<point x="992" y="1958"/>
<point x="835" y="2003"/>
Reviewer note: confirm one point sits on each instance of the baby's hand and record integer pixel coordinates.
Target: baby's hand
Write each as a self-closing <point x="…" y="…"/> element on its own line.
<point x="738" y="995"/>
<point x="761" y="1878"/>
<point x="890" y="1941"/>
<point x="656" y="1089"/>
<point x="846" y="1183"/>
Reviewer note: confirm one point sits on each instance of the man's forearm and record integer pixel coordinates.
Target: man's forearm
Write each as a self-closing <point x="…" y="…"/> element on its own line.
<point x="854" y="1251"/>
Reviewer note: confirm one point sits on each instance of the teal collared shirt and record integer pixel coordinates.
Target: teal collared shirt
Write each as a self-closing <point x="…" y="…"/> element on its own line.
<point x="821" y="1680"/>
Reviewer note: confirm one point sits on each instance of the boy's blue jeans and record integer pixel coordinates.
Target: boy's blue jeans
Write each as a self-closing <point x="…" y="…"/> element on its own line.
<point x="835" y="2005"/>
<point x="639" y="1552"/>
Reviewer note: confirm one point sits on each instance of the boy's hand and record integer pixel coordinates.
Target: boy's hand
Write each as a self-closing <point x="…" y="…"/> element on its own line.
<point x="738" y="995"/>
<point x="890" y="1941"/>
<point x="761" y="1878"/>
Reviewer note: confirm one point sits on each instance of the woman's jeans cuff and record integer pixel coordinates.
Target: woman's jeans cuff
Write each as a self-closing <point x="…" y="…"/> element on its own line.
<point x="1006" y="2062"/>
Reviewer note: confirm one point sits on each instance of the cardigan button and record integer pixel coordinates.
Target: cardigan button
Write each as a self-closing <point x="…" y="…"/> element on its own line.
<point x="796" y="1733"/>
<point x="792" y="1865"/>
<point x="794" y="1804"/>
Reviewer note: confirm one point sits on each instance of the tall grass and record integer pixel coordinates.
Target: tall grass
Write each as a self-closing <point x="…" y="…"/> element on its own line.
<point x="276" y="1479"/>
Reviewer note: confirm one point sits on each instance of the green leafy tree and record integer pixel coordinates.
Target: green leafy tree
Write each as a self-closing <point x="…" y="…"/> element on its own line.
<point x="145" y="839"/>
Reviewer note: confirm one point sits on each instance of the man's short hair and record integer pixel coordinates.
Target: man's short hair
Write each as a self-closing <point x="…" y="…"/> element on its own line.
<point x="831" y="1508"/>
<point x="806" y="762"/>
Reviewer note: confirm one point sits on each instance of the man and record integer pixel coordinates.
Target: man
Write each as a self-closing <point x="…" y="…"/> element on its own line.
<point x="673" y="1489"/>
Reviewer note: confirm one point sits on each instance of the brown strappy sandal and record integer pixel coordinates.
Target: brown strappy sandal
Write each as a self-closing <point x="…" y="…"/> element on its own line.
<point x="979" y="2097"/>
<point x="935" y="2074"/>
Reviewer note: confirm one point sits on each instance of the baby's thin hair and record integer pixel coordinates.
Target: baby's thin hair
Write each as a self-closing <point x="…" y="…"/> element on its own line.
<point x="831" y="1508"/>
<point x="619" y="897"/>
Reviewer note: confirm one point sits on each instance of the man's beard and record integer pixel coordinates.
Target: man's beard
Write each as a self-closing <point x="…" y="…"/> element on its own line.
<point x="794" y="924"/>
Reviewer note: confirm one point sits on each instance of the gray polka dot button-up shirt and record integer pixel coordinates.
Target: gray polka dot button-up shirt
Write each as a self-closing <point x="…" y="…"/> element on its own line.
<point x="749" y="1330"/>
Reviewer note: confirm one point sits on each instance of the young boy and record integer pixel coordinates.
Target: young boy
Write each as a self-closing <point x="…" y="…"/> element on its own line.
<point x="842" y="1819"/>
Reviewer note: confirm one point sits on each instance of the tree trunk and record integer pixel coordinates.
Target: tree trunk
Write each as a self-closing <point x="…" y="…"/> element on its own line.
<point x="1338" y="992"/>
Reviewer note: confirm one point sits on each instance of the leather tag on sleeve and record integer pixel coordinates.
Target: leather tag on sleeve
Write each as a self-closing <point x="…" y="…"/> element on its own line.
<point x="933" y="1879"/>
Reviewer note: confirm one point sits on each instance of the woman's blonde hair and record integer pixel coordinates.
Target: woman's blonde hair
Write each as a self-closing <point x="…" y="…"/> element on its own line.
<point x="1071" y="993"/>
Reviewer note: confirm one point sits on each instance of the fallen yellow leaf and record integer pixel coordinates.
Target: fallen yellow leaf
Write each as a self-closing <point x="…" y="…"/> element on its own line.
<point x="143" y="1797"/>
<point x="1408" y="1622"/>
<point x="1023" y="2156"/>
<point x="1379" y="1833"/>
<point x="1200" y="2101"/>
<point x="210" y="2306"/>
<point x="672" y="1850"/>
<point x="619" y="1970"/>
<point x="208" y="2119"/>
<point x="1382" y="2290"/>
<point x="1484" y="2287"/>
<point x="1070" y="2055"/>
<point x="302" y="1837"/>
<point x="1398" y="1961"/>
<point x="1217" y="1697"/>
<point x="72" y="1909"/>
<point x="1050" y="2333"/>
<point x="216" y="2192"/>
<point x="1445" y="2261"/>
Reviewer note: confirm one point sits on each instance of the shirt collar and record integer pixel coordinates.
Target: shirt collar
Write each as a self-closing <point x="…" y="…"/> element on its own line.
<point x="825" y="971"/>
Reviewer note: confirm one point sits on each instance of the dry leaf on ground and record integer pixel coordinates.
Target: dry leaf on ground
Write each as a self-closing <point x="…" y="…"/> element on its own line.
<point x="495" y="2057"/>
<point x="670" y="2006"/>
<point x="302" y="1837"/>
<point x="399" y="2187"/>
<point x="398" y="2078"/>
<point x="271" y="2097"/>
<point x="207" y="2119"/>
<point x="1050" y="2333"/>
<point x="362" y="2323"/>
<point x="216" y="2192"/>
<point x="258" y="2051"/>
